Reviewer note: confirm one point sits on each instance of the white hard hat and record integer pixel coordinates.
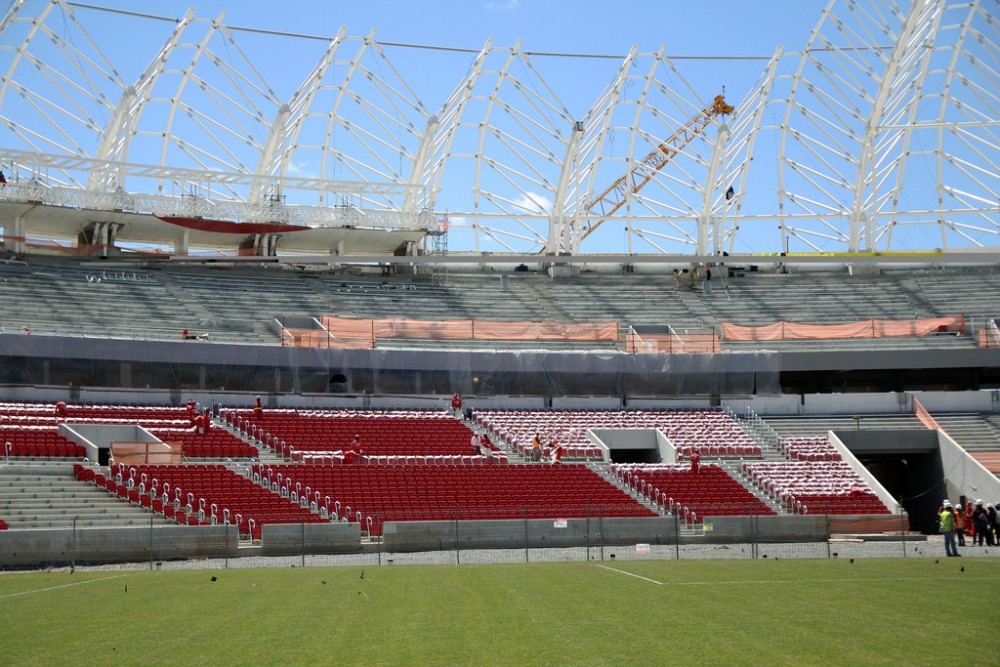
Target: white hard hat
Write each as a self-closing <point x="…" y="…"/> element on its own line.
<point x="979" y="502"/>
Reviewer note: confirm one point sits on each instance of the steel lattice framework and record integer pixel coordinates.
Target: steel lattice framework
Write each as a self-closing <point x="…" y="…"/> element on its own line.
<point x="881" y="134"/>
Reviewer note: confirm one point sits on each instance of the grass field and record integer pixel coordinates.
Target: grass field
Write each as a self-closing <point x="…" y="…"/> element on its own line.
<point x="758" y="612"/>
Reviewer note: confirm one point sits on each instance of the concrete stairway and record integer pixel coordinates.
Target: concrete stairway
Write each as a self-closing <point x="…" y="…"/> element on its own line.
<point x="819" y="425"/>
<point x="604" y="470"/>
<point x="971" y="430"/>
<point x="34" y="495"/>
<point x="734" y="470"/>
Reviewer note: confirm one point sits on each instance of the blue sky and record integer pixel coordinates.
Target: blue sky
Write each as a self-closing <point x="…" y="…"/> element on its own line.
<point x="592" y="27"/>
<point x="707" y="27"/>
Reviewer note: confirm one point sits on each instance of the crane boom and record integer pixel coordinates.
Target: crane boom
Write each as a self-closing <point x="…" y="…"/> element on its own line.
<point x="615" y="196"/>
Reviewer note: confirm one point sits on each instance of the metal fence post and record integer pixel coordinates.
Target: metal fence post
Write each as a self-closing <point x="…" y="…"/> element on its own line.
<point x="828" y="547"/>
<point x="600" y="529"/>
<point x="526" y="559"/>
<point x="677" y="537"/>
<point x="458" y="556"/>
<point x="902" y="529"/>
<point x="152" y="548"/>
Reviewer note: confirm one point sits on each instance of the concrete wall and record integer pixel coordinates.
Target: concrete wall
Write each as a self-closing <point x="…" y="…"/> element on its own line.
<point x="610" y="439"/>
<point x="786" y="404"/>
<point x="449" y="535"/>
<point x="729" y="529"/>
<point x="530" y="533"/>
<point x="95" y="437"/>
<point x="848" y="442"/>
<point x="310" y="538"/>
<point x="850" y="404"/>
<point x="965" y="476"/>
<point x="35" y="548"/>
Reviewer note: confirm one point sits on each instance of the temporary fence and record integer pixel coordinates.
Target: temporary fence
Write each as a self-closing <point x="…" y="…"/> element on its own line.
<point x="340" y="332"/>
<point x="670" y="343"/>
<point x="862" y="329"/>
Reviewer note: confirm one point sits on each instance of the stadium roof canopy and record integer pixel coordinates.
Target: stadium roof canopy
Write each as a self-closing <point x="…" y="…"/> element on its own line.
<point x="879" y="134"/>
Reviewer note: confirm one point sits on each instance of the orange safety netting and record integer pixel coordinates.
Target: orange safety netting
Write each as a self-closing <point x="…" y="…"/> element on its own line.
<point x="864" y="329"/>
<point x="344" y="332"/>
<point x="925" y="417"/>
<point x="672" y="343"/>
<point x="319" y="338"/>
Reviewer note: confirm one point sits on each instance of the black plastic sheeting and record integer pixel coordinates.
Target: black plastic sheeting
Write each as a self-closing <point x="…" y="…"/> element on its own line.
<point x="98" y="362"/>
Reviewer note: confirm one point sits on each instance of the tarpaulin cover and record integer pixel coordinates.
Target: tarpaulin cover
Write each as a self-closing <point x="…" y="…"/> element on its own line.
<point x="863" y="329"/>
<point x="354" y="333"/>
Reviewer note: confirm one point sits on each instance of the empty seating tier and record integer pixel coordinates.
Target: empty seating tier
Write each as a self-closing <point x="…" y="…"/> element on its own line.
<point x="32" y="429"/>
<point x="203" y="495"/>
<point x="710" y="432"/>
<point x="817" y="487"/>
<point x="382" y="433"/>
<point x="809" y="448"/>
<point x="376" y="494"/>
<point x="692" y="495"/>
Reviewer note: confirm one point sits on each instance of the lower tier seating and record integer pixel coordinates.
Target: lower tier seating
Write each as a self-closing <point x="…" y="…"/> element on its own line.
<point x="830" y="487"/>
<point x="202" y="495"/>
<point x="692" y="495"/>
<point x="375" y="494"/>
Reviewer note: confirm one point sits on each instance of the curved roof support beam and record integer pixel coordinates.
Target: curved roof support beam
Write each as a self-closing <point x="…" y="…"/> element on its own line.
<point x="36" y="25"/>
<point x="786" y="123"/>
<point x="945" y="97"/>
<point x="114" y="142"/>
<point x="185" y="77"/>
<point x="602" y="119"/>
<point x="763" y="95"/>
<point x="575" y="236"/>
<point x="477" y="187"/>
<point x="330" y="140"/>
<point x="261" y="191"/>
<point x="557" y="218"/>
<point x="862" y="219"/>
<point x="640" y="105"/>
<point x="421" y="165"/>
<point x="276" y="158"/>
<point x="449" y="120"/>
<point x="705" y="219"/>
<point x="918" y="93"/>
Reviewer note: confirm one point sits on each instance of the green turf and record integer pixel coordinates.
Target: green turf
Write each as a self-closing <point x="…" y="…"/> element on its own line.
<point x="763" y="612"/>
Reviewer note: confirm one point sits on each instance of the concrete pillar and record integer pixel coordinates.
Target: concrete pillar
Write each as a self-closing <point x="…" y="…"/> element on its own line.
<point x="16" y="238"/>
<point x="181" y="247"/>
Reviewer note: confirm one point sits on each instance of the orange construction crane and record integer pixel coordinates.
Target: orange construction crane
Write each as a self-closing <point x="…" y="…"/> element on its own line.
<point x="612" y="199"/>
